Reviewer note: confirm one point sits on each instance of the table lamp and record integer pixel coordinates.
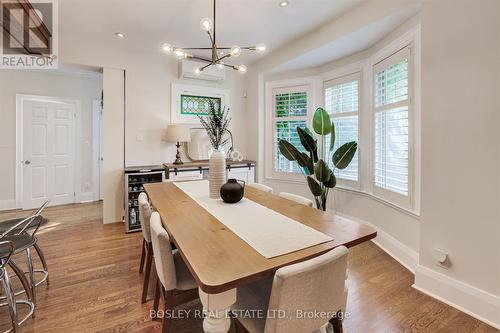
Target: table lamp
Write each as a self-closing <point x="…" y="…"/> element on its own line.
<point x="178" y="134"/>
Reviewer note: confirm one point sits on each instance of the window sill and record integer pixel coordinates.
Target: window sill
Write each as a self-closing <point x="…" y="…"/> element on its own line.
<point x="355" y="191"/>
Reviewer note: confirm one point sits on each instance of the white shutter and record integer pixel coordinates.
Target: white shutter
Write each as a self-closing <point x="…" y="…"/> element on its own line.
<point x="392" y="123"/>
<point x="342" y="103"/>
<point x="289" y="112"/>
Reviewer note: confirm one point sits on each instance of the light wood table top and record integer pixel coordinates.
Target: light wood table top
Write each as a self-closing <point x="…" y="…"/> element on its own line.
<point x="220" y="260"/>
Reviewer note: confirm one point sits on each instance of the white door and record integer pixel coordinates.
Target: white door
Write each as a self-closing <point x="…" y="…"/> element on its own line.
<point x="97" y="148"/>
<point x="48" y="153"/>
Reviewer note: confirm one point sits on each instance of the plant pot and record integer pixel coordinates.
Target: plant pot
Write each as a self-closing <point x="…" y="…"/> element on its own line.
<point x="216" y="173"/>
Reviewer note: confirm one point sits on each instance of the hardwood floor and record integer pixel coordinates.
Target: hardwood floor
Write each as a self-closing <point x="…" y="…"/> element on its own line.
<point x="95" y="285"/>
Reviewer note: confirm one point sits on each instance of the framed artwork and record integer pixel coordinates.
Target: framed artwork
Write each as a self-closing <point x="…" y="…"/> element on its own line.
<point x="190" y="101"/>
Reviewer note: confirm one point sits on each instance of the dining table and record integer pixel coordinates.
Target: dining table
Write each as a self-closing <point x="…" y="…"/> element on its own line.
<point x="221" y="261"/>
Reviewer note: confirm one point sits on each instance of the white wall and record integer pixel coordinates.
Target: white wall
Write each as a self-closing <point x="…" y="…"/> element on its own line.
<point x="113" y="126"/>
<point x="84" y="88"/>
<point x="461" y="157"/>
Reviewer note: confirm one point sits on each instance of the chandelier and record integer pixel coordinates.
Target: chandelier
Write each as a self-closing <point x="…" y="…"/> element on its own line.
<point x="218" y="54"/>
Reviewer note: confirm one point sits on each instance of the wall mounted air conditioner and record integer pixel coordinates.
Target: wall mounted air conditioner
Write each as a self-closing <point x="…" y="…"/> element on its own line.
<point x="213" y="73"/>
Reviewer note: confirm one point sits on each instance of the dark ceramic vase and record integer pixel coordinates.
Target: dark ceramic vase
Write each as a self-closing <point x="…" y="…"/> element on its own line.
<point x="232" y="191"/>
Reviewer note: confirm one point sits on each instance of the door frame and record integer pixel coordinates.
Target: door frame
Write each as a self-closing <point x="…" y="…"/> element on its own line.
<point x="20" y="99"/>
<point x="96" y="148"/>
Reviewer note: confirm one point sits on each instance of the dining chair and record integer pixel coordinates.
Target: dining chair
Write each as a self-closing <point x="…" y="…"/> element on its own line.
<point x="13" y="226"/>
<point x="147" y="248"/>
<point x="297" y="198"/>
<point x="173" y="274"/>
<point x="315" y="286"/>
<point x="22" y="236"/>
<point x="7" y="249"/>
<point x="261" y="187"/>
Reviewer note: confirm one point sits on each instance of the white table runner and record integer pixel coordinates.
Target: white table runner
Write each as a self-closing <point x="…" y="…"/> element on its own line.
<point x="268" y="232"/>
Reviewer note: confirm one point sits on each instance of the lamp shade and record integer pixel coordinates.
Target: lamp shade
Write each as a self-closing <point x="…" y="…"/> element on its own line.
<point x="177" y="133"/>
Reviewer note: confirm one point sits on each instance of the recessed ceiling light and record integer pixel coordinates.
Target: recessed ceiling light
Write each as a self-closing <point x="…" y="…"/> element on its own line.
<point x="120" y="34"/>
<point x="283" y="3"/>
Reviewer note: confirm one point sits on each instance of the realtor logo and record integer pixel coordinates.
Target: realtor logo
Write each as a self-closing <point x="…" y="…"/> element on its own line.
<point x="29" y="34"/>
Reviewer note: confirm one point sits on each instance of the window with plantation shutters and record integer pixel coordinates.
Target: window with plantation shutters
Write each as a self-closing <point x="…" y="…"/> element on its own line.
<point x="392" y="111"/>
<point x="289" y="112"/>
<point x="342" y="104"/>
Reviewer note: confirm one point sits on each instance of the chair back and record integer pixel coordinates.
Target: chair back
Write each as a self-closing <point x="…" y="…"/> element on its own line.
<point x="261" y="187"/>
<point x="162" y="250"/>
<point x="313" y="286"/>
<point x="42" y="207"/>
<point x="6" y="258"/>
<point x="32" y="223"/>
<point x="297" y="198"/>
<point x="145" y="211"/>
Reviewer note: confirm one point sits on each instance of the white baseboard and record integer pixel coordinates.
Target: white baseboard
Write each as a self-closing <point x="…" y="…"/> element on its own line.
<point x="8" y="204"/>
<point x="87" y="197"/>
<point x="397" y="250"/>
<point x="475" y="302"/>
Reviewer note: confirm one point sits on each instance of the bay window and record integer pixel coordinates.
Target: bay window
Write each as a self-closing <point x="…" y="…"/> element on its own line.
<point x="290" y="106"/>
<point x="392" y="163"/>
<point x="342" y="104"/>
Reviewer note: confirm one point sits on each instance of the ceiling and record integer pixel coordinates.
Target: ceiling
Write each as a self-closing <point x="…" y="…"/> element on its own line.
<point x="149" y="23"/>
<point x="354" y="42"/>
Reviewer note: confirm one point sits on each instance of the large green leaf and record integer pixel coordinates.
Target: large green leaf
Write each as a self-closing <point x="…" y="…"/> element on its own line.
<point x="343" y="156"/>
<point x="288" y="150"/>
<point x="321" y="171"/>
<point x="306" y="140"/>
<point x="321" y="122"/>
<point x="308" y="163"/>
<point x="332" y="137"/>
<point x="314" y="186"/>
<point x="332" y="182"/>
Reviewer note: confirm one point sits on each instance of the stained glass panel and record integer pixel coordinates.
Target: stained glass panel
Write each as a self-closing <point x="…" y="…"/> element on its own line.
<point x="197" y="105"/>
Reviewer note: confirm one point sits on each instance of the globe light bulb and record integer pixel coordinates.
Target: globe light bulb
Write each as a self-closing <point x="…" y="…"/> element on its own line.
<point x="220" y="65"/>
<point x="242" y="68"/>
<point x="260" y="48"/>
<point x="283" y="3"/>
<point x="206" y="24"/>
<point x="235" y="51"/>
<point x="167" y="48"/>
<point x="180" y="54"/>
<point x="197" y="71"/>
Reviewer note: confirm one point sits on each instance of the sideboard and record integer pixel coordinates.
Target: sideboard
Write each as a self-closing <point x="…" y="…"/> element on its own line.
<point x="242" y="170"/>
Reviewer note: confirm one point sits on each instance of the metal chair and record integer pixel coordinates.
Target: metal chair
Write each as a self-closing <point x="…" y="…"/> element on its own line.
<point x="13" y="226"/>
<point x="7" y="249"/>
<point x="23" y="241"/>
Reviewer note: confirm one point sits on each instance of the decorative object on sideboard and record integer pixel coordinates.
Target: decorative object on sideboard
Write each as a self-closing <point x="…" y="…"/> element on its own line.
<point x="236" y="156"/>
<point x="216" y="124"/>
<point x="199" y="147"/>
<point x="232" y="191"/>
<point x="177" y="133"/>
<point x="319" y="176"/>
<point x="218" y="54"/>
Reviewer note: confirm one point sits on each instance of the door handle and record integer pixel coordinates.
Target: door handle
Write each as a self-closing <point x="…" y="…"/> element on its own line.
<point x="27" y="162"/>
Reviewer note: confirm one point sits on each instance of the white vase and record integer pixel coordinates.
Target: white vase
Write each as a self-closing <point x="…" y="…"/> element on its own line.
<point x="216" y="173"/>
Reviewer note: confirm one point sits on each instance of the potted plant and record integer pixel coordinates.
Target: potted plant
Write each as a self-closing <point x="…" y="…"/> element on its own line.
<point x="320" y="177"/>
<point x="216" y="124"/>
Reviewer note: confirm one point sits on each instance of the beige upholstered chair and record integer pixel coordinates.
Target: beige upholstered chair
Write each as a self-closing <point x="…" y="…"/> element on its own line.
<point x="173" y="274"/>
<point x="147" y="249"/>
<point x="261" y="187"/>
<point x="317" y="284"/>
<point x="296" y="198"/>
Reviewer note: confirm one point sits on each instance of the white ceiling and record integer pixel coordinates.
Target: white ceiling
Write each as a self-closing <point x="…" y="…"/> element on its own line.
<point x="149" y="23"/>
<point x="349" y="44"/>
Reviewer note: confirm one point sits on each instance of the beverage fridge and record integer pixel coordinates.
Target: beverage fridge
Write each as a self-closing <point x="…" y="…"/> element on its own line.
<point x="135" y="178"/>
